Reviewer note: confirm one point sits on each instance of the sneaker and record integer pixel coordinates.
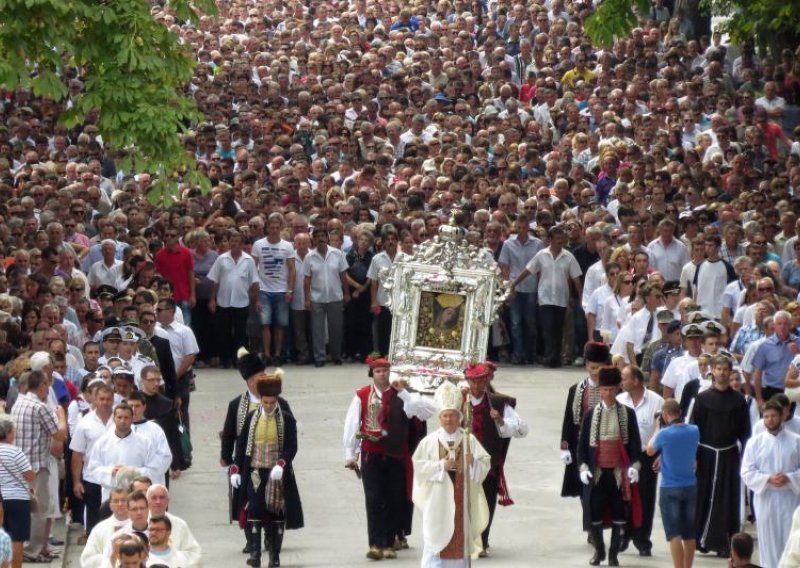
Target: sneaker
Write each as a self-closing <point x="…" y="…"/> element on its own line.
<point x="374" y="553"/>
<point x="388" y="553"/>
<point x="579" y="362"/>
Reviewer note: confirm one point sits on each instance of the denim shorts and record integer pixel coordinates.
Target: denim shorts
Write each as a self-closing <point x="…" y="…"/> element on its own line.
<point x="677" y="511"/>
<point x="274" y="309"/>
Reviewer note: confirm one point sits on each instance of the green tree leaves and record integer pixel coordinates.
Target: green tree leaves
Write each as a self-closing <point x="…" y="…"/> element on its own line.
<point x="134" y="69"/>
<point x="614" y="19"/>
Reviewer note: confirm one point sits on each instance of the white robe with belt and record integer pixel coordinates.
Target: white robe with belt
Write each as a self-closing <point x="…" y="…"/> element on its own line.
<point x="433" y="494"/>
<point x="767" y="454"/>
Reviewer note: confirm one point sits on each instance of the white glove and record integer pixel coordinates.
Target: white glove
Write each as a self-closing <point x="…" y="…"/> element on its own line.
<point x="276" y="473"/>
<point x="236" y="480"/>
<point x="586" y="477"/>
<point x="566" y="457"/>
<point x="633" y="475"/>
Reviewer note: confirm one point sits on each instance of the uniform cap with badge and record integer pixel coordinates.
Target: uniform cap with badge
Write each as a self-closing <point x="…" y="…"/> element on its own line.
<point x="692" y="330"/>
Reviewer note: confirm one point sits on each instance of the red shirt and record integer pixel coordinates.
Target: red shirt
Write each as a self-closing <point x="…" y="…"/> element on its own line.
<point x="175" y="267"/>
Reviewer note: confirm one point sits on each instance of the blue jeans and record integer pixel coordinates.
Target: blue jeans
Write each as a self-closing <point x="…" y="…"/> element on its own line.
<point x="186" y="311"/>
<point x="523" y="327"/>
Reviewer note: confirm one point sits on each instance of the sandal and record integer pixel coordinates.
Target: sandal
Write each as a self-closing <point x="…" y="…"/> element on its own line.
<point x="51" y="554"/>
<point x="41" y="559"/>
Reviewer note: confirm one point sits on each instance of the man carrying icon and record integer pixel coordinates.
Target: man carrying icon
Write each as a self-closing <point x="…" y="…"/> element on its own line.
<point x="380" y="432"/>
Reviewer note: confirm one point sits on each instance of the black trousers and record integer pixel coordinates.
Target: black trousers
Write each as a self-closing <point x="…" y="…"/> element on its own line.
<point x="183" y="390"/>
<point x="490" y="491"/>
<point x="203" y="328"/>
<point x="606" y="495"/>
<point x="92" y="499"/>
<point x="231" y="331"/>
<point x="382" y="330"/>
<point x="648" y="482"/>
<point x="551" y="330"/>
<point x="384" y="480"/>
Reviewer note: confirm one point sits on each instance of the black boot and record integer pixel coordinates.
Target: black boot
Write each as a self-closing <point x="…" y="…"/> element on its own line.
<point x="276" y="540"/>
<point x="613" y="549"/>
<point x="255" y="546"/>
<point x="599" y="546"/>
<point x="248" y="537"/>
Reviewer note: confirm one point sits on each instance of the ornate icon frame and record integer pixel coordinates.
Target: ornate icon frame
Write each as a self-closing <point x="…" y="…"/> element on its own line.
<point x="445" y="265"/>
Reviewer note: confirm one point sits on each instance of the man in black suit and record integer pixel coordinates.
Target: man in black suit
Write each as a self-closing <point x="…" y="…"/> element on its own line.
<point x="160" y="409"/>
<point x="163" y="352"/>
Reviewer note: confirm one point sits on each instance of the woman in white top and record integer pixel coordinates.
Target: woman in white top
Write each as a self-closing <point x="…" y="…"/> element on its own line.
<point x="614" y="304"/>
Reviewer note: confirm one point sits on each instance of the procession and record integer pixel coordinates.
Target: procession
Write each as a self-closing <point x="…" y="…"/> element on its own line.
<point x="433" y="283"/>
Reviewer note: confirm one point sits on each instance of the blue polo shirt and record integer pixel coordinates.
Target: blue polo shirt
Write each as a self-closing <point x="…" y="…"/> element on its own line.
<point x="773" y="358"/>
<point x="678" y="447"/>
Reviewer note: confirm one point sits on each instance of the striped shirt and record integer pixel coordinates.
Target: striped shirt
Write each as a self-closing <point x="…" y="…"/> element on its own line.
<point x="35" y="425"/>
<point x="13" y="465"/>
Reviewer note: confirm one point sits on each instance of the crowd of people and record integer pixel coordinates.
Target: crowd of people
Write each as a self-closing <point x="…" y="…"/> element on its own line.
<point x="640" y="196"/>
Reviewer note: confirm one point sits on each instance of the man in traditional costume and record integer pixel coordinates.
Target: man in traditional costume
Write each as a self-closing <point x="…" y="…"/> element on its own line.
<point x="251" y="368"/>
<point x="450" y="466"/>
<point x="381" y="429"/>
<point x="265" y="450"/>
<point x="771" y="469"/>
<point x="582" y="397"/>
<point x="492" y="418"/>
<point x="722" y="417"/>
<point x="609" y="449"/>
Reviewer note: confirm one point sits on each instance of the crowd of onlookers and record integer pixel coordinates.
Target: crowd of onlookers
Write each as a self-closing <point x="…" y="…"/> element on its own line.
<point x="606" y="183"/>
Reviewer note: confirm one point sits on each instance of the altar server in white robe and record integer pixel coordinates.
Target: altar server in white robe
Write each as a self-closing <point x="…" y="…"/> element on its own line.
<point x="119" y="448"/>
<point x="160" y="454"/>
<point x="443" y="462"/>
<point x="791" y="552"/>
<point x="771" y="470"/>
<point x="93" y="554"/>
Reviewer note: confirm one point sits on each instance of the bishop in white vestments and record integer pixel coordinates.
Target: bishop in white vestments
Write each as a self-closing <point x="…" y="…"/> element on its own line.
<point x="771" y="470"/>
<point x="448" y="472"/>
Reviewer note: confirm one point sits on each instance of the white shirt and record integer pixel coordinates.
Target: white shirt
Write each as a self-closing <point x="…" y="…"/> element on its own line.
<point x="298" y="298"/>
<point x="634" y="331"/>
<point x="554" y="276"/>
<point x="380" y="261"/>
<point x="668" y="260"/>
<point x="612" y="306"/>
<point x="646" y="411"/>
<point x="595" y="277"/>
<point x="100" y="274"/>
<point x="110" y="450"/>
<point x="160" y="454"/>
<point x="679" y="372"/>
<point x="596" y="303"/>
<point x="233" y="280"/>
<point x="271" y="260"/>
<point x="182" y="341"/>
<point x="89" y="429"/>
<point x="325" y="273"/>
<point x="414" y="406"/>
<point x="513" y="426"/>
<point x="712" y="280"/>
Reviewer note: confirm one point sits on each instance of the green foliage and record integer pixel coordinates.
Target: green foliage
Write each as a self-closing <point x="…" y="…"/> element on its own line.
<point x="614" y="19"/>
<point x="134" y="70"/>
<point x="769" y="23"/>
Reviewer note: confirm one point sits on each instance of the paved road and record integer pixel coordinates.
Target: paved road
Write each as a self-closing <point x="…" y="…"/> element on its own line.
<point x="541" y="530"/>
